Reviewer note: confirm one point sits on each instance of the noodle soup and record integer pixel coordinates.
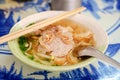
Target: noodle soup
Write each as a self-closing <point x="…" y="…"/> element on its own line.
<point x="57" y="44"/>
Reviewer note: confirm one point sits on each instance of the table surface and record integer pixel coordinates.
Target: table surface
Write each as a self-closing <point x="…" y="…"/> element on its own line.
<point x="105" y="12"/>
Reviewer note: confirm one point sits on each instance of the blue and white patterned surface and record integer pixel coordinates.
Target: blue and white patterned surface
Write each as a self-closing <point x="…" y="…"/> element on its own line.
<point x="106" y="12"/>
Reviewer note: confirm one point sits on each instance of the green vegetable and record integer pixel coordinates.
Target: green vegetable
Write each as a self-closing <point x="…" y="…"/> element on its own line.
<point x="31" y="57"/>
<point x="22" y="41"/>
<point x="47" y="59"/>
<point x="30" y="24"/>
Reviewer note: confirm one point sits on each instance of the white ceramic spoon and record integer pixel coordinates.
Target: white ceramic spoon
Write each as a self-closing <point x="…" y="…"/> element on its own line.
<point x="90" y="51"/>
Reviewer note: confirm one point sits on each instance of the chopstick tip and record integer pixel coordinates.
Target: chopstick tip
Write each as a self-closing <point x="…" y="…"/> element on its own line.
<point x="83" y="7"/>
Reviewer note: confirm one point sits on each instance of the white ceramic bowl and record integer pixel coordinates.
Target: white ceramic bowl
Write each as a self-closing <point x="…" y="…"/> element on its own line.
<point x="100" y="36"/>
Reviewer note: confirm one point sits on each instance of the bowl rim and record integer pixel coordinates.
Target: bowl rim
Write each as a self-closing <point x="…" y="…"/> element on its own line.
<point x="24" y="59"/>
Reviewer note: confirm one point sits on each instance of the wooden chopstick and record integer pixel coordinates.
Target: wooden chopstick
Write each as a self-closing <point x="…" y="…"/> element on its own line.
<point x="39" y="25"/>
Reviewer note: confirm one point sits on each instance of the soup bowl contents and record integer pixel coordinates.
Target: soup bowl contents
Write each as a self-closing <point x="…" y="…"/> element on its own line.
<point x="57" y="44"/>
<point x="55" y="47"/>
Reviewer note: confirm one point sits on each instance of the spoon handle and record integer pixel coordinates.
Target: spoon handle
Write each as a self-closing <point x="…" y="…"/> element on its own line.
<point x="90" y="51"/>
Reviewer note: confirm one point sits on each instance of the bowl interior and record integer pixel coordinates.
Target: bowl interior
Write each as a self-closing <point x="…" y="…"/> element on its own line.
<point x="100" y="36"/>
